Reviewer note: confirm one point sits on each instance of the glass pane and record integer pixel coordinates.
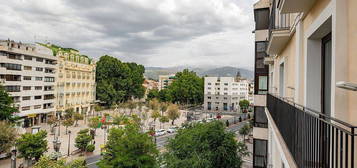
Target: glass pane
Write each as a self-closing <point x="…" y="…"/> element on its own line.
<point x="263" y="83"/>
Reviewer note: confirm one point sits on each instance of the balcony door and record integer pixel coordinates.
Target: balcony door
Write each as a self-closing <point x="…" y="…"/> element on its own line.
<point x="326" y="65"/>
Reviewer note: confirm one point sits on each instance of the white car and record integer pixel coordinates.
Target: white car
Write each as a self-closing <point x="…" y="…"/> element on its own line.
<point x="210" y="120"/>
<point x="172" y="129"/>
<point x="160" y="132"/>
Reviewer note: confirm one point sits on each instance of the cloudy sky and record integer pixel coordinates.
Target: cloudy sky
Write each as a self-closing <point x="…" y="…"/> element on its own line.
<point x="150" y="32"/>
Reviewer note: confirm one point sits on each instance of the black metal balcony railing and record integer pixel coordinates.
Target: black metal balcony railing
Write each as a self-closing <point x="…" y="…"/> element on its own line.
<point x="277" y="20"/>
<point x="314" y="139"/>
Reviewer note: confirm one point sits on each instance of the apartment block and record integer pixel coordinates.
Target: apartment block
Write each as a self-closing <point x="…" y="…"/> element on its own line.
<point x="165" y="81"/>
<point x="224" y="93"/>
<point x="76" y="81"/>
<point x="28" y="73"/>
<point x="305" y="113"/>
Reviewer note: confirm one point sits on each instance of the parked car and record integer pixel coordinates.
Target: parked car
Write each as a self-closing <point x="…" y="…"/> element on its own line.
<point x="160" y="132"/>
<point x="172" y="129"/>
<point x="210" y="119"/>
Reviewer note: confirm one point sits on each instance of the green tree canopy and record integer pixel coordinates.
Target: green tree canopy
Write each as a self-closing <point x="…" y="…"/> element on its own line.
<point x="244" y="104"/>
<point x="6" y="106"/>
<point x="82" y="140"/>
<point x="118" y="81"/>
<point x="129" y="148"/>
<point x="32" y="145"/>
<point x="187" y="88"/>
<point x="7" y="136"/>
<point x="203" y="146"/>
<point x="153" y="94"/>
<point x="47" y="162"/>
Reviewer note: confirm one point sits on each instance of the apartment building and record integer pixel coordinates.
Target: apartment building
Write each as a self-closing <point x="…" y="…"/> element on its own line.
<point x="305" y="113"/>
<point x="224" y="93"/>
<point x="76" y="81"/>
<point x="165" y="80"/>
<point x="28" y="73"/>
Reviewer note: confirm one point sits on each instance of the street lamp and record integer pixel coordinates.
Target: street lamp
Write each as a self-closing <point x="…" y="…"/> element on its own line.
<point x="13" y="157"/>
<point x="69" y="140"/>
<point x="56" y="145"/>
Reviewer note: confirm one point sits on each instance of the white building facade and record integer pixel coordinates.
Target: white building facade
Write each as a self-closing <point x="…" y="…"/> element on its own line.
<point x="28" y="74"/>
<point x="224" y="93"/>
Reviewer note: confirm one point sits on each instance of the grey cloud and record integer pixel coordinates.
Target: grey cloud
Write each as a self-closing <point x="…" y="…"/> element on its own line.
<point x="135" y="30"/>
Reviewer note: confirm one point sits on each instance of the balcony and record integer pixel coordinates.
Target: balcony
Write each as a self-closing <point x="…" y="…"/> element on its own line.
<point x="279" y="30"/>
<point x="313" y="139"/>
<point x="294" y="6"/>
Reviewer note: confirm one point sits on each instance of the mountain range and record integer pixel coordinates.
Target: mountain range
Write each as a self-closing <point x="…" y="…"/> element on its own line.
<point x="225" y="71"/>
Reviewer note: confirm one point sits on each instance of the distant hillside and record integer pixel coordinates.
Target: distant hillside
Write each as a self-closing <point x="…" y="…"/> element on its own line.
<point x="228" y="71"/>
<point x="154" y="72"/>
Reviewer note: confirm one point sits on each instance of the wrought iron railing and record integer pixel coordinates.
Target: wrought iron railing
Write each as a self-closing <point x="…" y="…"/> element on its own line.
<point x="277" y="20"/>
<point x="314" y="139"/>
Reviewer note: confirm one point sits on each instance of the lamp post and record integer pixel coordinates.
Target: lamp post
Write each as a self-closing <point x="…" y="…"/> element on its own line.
<point x="13" y="157"/>
<point x="69" y="140"/>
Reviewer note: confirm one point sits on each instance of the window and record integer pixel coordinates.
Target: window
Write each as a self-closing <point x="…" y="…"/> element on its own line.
<point x="261" y="18"/>
<point x="8" y="66"/>
<point x="38" y="97"/>
<point x="263" y="84"/>
<point x="28" y="68"/>
<point x="209" y="83"/>
<point x="12" y="88"/>
<point x="37" y="106"/>
<point x="38" y="78"/>
<point x="49" y="79"/>
<point x="260" y="152"/>
<point x="39" y="59"/>
<point x="27" y="77"/>
<point x="225" y="98"/>
<point x="217" y="84"/>
<point x="28" y="57"/>
<point x="38" y="87"/>
<point x="26" y="108"/>
<point x="225" y="88"/>
<point x="39" y="69"/>
<point x="26" y="88"/>
<point x="260" y="118"/>
<point x="209" y="97"/>
<point x="225" y="93"/>
<point x="226" y="84"/>
<point x="209" y="88"/>
<point x="26" y="98"/>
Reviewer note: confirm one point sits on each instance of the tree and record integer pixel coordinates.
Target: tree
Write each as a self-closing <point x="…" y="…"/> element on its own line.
<point x="94" y="123"/>
<point x="129" y="147"/>
<point x="153" y="94"/>
<point x="187" y="88"/>
<point x="173" y="113"/>
<point x="165" y="95"/>
<point x="118" y="81"/>
<point x="154" y="104"/>
<point x="164" y="119"/>
<point x="6" y="106"/>
<point x="76" y="117"/>
<point x="245" y="130"/>
<point x="32" y="146"/>
<point x="69" y="113"/>
<point x="155" y="115"/>
<point x="205" y="145"/>
<point x="244" y="104"/>
<point x="82" y="140"/>
<point x="47" y="162"/>
<point x="67" y="123"/>
<point x="8" y="136"/>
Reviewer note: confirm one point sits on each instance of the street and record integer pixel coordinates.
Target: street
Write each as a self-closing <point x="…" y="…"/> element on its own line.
<point x="161" y="142"/>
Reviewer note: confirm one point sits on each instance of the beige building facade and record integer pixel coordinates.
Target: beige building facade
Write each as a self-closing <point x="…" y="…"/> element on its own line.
<point x="76" y="82"/>
<point x="311" y="50"/>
